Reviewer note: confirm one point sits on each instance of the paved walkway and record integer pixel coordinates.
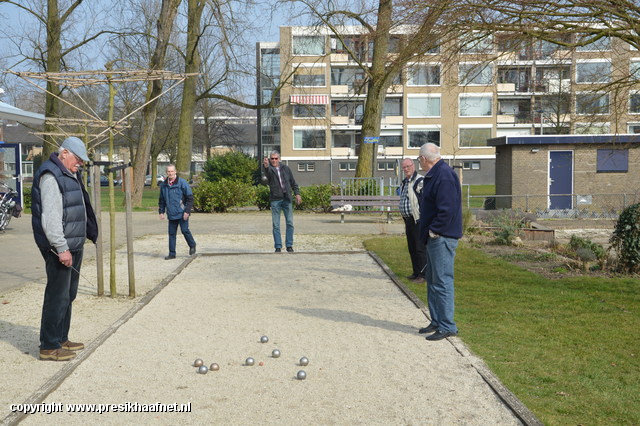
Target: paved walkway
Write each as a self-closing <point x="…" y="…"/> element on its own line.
<point x="369" y="366"/>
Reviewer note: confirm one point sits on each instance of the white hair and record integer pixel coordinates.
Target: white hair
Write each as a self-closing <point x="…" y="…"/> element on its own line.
<point x="430" y="151"/>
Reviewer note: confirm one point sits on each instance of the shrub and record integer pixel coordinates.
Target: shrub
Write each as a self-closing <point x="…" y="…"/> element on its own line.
<point x="317" y="197"/>
<point x="26" y="198"/>
<point x="233" y="165"/>
<point x="222" y="195"/>
<point x="262" y="197"/>
<point x="508" y="225"/>
<point x="580" y="247"/>
<point x="626" y="239"/>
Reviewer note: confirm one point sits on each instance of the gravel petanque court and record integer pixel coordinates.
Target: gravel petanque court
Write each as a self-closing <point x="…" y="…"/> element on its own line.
<point x="368" y="364"/>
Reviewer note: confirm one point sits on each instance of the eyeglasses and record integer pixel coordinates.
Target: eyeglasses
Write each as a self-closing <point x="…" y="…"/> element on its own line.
<point x="78" y="159"/>
<point x="272" y="158"/>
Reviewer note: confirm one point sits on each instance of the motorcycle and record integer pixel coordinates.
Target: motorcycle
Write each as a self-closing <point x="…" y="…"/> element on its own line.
<point x="8" y="206"/>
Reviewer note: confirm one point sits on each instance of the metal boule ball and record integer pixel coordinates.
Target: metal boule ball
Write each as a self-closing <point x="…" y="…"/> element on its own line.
<point x="264" y="339"/>
<point x="301" y="375"/>
<point x="275" y="353"/>
<point x="249" y="361"/>
<point x="203" y="369"/>
<point x="198" y="362"/>
<point x="304" y="361"/>
<point x="214" y="367"/>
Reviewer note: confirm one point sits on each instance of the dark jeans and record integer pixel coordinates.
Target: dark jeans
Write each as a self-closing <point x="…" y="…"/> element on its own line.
<point x="173" y="230"/>
<point x="59" y="294"/>
<point x="416" y="247"/>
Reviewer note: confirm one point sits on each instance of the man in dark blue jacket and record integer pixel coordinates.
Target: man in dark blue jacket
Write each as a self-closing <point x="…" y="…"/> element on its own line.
<point x="176" y="199"/>
<point x="62" y="220"/>
<point x="440" y="229"/>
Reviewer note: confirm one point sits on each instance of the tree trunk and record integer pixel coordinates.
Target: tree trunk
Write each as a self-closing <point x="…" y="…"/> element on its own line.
<point x="164" y="25"/>
<point x="192" y="65"/>
<point x="376" y="91"/>
<point x="54" y="59"/>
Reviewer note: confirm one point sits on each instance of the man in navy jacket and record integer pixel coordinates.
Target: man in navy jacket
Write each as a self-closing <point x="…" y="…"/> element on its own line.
<point x="440" y="229"/>
<point x="176" y="199"/>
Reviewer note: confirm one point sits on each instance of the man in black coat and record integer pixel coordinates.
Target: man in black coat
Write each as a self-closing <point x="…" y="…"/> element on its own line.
<point x="281" y="184"/>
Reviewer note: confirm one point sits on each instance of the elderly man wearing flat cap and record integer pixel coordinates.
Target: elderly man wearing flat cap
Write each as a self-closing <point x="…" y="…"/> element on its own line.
<point x="62" y="220"/>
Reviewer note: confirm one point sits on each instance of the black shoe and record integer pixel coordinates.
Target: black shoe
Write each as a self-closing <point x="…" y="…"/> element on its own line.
<point x="290" y="249"/>
<point x="438" y="335"/>
<point x="171" y="256"/>
<point x="192" y="250"/>
<point x="278" y="250"/>
<point x="428" y="329"/>
<point x="413" y="276"/>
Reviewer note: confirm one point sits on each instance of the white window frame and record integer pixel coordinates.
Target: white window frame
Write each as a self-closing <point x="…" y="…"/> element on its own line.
<point x="421" y="65"/>
<point x="474" y="126"/>
<point x="593" y="94"/>
<point x="293" y="47"/>
<point x="315" y="128"/>
<point x="462" y="96"/>
<point x="421" y="128"/>
<point x="484" y="65"/>
<point x="427" y="97"/>
<point x="593" y="61"/>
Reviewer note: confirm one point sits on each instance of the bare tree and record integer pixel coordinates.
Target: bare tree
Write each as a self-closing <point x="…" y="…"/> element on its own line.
<point x="399" y="33"/>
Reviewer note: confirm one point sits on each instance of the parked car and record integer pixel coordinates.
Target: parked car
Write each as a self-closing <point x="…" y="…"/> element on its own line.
<point x="147" y="180"/>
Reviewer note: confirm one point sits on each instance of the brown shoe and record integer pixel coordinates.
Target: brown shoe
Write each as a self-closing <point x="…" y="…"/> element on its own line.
<point x="418" y="280"/>
<point x="57" y="354"/>
<point x="72" y="346"/>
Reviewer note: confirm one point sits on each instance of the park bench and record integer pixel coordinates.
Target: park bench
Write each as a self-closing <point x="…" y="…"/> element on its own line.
<point x="365" y="204"/>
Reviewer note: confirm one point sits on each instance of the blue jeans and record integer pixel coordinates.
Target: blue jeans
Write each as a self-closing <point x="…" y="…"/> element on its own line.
<point x="173" y="230"/>
<point x="286" y="206"/>
<point x="441" y="253"/>
<point x="59" y="294"/>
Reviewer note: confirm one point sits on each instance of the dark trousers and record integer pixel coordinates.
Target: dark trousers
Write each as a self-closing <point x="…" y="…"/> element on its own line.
<point x="59" y="294"/>
<point x="416" y="248"/>
<point x="173" y="230"/>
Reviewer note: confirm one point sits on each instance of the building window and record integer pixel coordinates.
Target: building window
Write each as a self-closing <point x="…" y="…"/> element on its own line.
<point x="343" y="139"/>
<point x="633" y="128"/>
<point x="592" y="103"/>
<point x="423" y="106"/>
<point x="600" y="45"/>
<point x="593" y="72"/>
<point x="386" y="165"/>
<point x="347" y="167"/>
<point x="423" y="75"/>
<point x="634" y="103"/>
<point x="308" y="45"/>
<point x="345" y="76"/>
<point x="473" y="137"/>
<point x="309" y="111"/>
<point x="392" y="107"/>
<point x="309" y="139"/>
<point x="634" y="69"/>
<point x="476" y="105"/>
<point x="470" y="165"/>
<point x="307" y="167"/>
<point x="613" y="160"/>
<point x="419" y="137"/>
<point x="391" y="139"/>
<point x="476" y="42"/>
<point x="475" y="74"/>
<point x="309" y="80"/>
<point x="592" y="128"/>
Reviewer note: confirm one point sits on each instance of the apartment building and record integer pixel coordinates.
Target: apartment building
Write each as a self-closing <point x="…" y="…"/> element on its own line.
<point x="492" y="87"/>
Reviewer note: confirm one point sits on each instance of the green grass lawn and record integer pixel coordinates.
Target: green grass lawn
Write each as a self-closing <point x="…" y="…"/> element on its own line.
<point x="149" y="199"/>
<point x="476" y="190"/>
<point x="568" y="349"/>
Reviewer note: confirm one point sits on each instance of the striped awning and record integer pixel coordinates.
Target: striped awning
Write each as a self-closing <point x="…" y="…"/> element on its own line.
<point x="310" y="99"/>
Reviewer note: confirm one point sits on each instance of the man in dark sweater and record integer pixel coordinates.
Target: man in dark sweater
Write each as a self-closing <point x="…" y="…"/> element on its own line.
<point x="440" y="229"/>
<point x="281" y="184"/>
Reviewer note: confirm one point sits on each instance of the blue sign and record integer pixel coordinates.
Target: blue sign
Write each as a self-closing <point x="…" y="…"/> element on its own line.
<point x="371" y="139"/>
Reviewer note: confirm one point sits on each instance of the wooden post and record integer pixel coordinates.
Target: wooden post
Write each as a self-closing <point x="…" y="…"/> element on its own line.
<point x="97" y="206"/>
<point x="112" y="200"/>
<point x="128" y="177"/>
